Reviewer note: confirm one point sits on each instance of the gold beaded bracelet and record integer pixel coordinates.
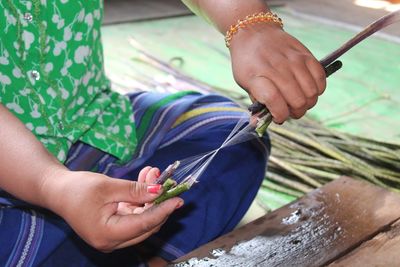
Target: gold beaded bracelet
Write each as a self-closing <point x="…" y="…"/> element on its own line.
<point x="261" y="17"/>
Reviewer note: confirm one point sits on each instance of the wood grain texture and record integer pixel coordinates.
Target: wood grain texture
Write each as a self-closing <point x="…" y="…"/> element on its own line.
<point x="382" y="250"/>
<point x="313" y="231"/>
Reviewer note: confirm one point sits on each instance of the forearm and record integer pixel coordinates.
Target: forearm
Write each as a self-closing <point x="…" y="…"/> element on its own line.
<point x="24" y="162"/>
<point x="224" y="13"/>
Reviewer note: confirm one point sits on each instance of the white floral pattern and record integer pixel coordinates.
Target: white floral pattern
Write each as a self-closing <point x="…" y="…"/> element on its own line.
<point x="52" y="77"/>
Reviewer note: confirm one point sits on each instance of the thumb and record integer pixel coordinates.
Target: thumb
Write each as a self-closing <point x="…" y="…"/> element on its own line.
<point x="132" y="192"/>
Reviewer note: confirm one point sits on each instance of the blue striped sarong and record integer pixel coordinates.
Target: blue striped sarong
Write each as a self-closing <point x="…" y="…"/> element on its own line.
<point x="169" y="128"/>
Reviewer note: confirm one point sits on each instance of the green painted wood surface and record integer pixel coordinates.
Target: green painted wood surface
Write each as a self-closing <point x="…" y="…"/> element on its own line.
<point x="363" y="98"/>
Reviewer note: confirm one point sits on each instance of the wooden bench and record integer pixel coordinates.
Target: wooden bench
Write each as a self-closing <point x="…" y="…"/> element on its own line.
<point x="344" y="223"/>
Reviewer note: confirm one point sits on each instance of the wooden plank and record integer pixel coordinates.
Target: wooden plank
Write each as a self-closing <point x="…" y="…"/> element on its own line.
<point x="382" y="250"/>
<point x="120" y="11"/>
<point x="313" y="231"/>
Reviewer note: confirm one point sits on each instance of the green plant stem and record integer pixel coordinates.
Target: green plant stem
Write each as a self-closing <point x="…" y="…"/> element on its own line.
<point x="313" y="171"/>
<point x="289" y="143"/>
<point x="288" y="182"/>
<point x="173" y="192"/>
<point x="289" y="168"/>
<point x="276" y="187"/>
<point x="168" y="184"/>
<point x="309" y="142"/>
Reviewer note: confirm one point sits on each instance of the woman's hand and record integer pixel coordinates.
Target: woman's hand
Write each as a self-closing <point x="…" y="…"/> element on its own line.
<point x="276" y="70"/>
<point x="149" y="176"/>
<point x="89" y="202"/>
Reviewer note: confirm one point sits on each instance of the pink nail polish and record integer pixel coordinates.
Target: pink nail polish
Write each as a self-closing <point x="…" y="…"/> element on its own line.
<point x="154" y="188"/>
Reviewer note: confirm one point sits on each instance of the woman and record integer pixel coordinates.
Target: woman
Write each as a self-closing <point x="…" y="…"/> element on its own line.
<point x="64" y="134"/>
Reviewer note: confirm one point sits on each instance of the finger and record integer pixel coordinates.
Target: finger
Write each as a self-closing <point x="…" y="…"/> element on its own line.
<point x="313" y="65"/>
<point x="138" y="210"/>
<point x="265" y="91"/>
<point x="307" y="83"/>
<point x="143" y="173"/>
<point x="152" y="175"/>
<point x="125" y="208"/>
<point x="136" y="240"/>
<point x="128" y="227"/>
<point x="119" y="190"/>
<point x="290" y="89"/>
<point x="297" y="113"/>
<point x="318" y="74"/>
<point x="140" y="238"/>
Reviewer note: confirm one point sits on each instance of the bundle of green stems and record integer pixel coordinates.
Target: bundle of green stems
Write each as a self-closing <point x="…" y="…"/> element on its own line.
<point x="171" y="189"/>
<point x="306" y="154"/>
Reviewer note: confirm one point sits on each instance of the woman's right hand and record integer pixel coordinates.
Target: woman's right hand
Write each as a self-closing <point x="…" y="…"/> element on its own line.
<point x="89" y="203"/>
<point x="277" y="70"/>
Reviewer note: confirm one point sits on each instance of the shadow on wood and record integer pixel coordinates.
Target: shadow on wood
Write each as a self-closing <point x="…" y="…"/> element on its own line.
<point x="382" y="250"/>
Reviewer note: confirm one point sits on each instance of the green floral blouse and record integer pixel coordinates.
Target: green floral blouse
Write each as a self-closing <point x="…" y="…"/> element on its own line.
<point x="52" y="77"/>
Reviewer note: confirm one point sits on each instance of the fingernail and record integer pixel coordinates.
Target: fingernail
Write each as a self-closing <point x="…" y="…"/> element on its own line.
<point x="180" y="204"/>
<point x="154" y="188"/>
<point x="158" y="173"/>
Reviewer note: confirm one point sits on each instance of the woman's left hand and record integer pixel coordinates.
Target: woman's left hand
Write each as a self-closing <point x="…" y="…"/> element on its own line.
<point x="89" y="203"/>
<point x="147" y="175"/>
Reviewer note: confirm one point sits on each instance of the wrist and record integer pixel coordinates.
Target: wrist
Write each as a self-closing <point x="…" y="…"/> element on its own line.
<point x="252" y="34"/>
<point x="254" y="24"/>
<point x="51" y="188"/>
